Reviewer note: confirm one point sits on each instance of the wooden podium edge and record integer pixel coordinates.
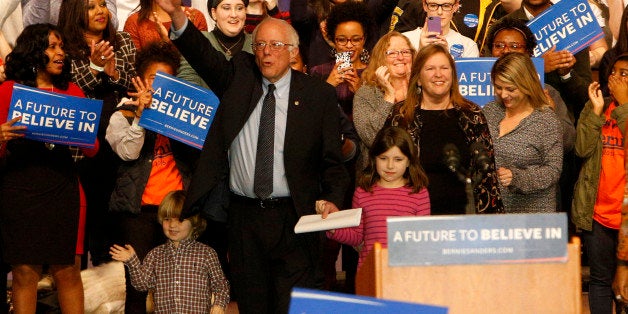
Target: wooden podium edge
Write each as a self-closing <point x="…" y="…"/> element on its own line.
<point x="369" y="278"/>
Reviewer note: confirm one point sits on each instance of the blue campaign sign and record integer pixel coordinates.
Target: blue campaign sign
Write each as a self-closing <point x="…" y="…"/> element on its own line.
<point x="474" y="78"/>
<point x="477" y="239"/>
<point x="308" y="301"/>
<point x="569" y="25"/>
<point x="56" y="118"/>
<point x="180" y="110"/>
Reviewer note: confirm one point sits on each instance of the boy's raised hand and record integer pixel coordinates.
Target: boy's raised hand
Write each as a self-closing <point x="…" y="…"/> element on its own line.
<point x="122" y="254"/>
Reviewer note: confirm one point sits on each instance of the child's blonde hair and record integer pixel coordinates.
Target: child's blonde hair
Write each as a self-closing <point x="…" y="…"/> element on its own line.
<point x="171" y="207"/>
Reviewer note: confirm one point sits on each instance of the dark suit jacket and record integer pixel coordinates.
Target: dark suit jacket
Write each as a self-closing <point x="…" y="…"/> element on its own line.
<point x="574" y="91"/>
<point x="312" y="148"/>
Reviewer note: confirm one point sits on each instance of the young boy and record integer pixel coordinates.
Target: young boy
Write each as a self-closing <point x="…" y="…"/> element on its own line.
<point x="184" y="273"/>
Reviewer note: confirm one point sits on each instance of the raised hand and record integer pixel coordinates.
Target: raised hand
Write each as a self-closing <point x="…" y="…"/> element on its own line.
<point x="121" y="253"/>
<point x="143" y="95"/>
<point x="169" y="6"/>
<point x="596" y="98"/>
<point x="429" y="38"/>
<point x="561" y="61"/>
<point x="352" y="78"/>
<point x="383" y="79"/>
<point x="618" y="86"/>
<point x="101" y="52"/>
<point x="161" y="29"/>
<point x="335" y="76"/>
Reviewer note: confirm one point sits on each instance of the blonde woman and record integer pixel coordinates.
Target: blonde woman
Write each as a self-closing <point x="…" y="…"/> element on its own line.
<point x="527" y="137"/>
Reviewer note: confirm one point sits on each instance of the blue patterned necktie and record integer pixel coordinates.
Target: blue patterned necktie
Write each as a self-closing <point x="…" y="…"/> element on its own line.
<point x="263" y="180"/>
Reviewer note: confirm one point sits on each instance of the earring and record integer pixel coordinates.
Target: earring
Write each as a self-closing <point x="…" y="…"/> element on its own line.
<point x="34" y="70"/>
<point x="419" y="89"/>
<point x="364" y="56"/>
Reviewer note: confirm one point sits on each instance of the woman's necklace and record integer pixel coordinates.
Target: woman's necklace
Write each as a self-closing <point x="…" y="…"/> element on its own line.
<point x="228" y="50"/>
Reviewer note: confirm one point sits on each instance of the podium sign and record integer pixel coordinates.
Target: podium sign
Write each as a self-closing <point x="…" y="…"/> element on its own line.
<point x="477" y="239"/>
<point x="308" y="301"/>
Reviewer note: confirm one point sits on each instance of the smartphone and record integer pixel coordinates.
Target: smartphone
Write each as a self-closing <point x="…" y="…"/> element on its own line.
<point x="433" y="24"/>
<point x="344" y="58"/>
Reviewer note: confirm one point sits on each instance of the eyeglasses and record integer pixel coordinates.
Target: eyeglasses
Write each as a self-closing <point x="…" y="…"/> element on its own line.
<point x="342" y="41"/>
<point x="274" y="45"/>
<point x="445" y="6"/>
<point x="512" y="46"/>
<point x="395" y="53"/>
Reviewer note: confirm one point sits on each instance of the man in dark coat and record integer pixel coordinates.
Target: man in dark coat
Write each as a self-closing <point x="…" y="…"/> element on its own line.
<point x="267" y="258"/>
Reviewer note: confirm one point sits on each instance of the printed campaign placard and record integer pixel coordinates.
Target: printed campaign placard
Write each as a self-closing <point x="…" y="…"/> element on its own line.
<point x="180" y="110"/>
<point x="55" y="118"/>
<point x="474" y="78"/>
<point x="477" y="239"/>
<point x="309" y="301"/>
<point x="568" y="25"/>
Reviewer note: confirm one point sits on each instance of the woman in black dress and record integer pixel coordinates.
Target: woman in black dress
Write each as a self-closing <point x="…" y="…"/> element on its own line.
<point x="40" y="195"/>
<point x="435" y="114"/>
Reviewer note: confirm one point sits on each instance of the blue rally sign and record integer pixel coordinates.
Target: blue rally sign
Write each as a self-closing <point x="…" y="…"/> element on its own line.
<point x="569" y="25"/>
<point x="477" y="239"/>
<point x="55" y="118"/>
<point x="474" y="78"/>
<point x="180" y="110"/>
<point x="308" y="301"/>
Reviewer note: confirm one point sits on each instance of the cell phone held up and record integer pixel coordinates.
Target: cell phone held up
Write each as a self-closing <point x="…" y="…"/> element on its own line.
<point x="433" y="25"/>
<point x="344" y="58"/>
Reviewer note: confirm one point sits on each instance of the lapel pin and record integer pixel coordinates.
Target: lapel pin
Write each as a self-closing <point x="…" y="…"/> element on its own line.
<point x="296" y="102"/>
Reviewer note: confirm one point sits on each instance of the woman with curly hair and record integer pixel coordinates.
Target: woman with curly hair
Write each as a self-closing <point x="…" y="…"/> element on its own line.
<point x="435" y="114"/>
<point x="309" y="18"/>
<point x="347" y="28"/>
<point x="41" y="202"/>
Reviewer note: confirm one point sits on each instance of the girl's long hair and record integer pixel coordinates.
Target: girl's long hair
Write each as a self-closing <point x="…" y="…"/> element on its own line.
<point x="386" y="139"/>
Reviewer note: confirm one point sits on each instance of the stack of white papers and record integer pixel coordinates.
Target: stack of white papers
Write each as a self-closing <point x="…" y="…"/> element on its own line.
<point x="341" y="219"/>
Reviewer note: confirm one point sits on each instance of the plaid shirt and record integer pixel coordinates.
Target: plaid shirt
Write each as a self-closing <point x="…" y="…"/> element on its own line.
<point x="125" y="64"/>
<point x="183" y="278"/>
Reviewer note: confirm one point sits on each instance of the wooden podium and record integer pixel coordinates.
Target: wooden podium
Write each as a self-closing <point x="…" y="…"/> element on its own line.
<point x="498" y="288"/>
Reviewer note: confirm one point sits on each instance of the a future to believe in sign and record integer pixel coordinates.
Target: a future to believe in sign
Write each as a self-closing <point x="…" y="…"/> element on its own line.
<point x="477" y="239"/>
